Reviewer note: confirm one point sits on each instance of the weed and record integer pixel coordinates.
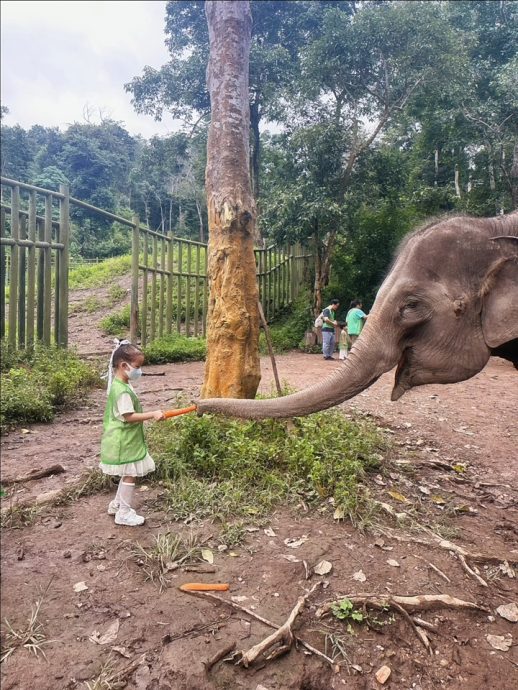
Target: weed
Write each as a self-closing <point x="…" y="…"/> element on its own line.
<point x="344" y="610"/>
<point x="16" y="517"/>
<point x="92" y="482"/>
<point x="116" y="293"/>
<point x="31" y="636"/>
<point x="108" y="678"/>
<point x="233" y="534"/>
<point x="175" y="348"/>
<point x="117" y="323"/>
<point x="166" y="554"/>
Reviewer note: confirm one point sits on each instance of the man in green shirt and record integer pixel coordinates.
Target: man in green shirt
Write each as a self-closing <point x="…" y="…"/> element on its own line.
<point x="328" y="329"/>
<point x="355" y="320"/>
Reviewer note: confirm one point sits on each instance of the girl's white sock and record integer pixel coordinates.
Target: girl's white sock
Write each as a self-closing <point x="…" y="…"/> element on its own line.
<point x="117" y="499"/>
<point x="125" y="493"/>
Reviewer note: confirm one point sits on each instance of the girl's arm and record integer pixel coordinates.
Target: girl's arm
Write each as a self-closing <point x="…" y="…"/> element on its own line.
<point x="135" y="417"/>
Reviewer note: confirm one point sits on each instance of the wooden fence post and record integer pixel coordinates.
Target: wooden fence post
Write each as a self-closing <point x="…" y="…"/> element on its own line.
<point x="47" y="253"/>
<point x="135" y="252"/>
<point x="14" y="268"/>
<point x="64" y="236"/>
<point x="3" y="275"/>
<point x="31" y="269"/>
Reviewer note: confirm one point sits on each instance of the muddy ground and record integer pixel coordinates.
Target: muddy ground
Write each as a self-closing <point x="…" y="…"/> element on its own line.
<point x="472" y="425"/>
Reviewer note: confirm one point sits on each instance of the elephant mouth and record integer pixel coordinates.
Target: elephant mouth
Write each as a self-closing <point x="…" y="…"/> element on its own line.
<point x="402" y="378"/>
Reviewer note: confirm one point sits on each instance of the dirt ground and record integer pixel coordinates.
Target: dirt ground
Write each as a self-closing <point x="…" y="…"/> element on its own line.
<point x="472" y="425"/>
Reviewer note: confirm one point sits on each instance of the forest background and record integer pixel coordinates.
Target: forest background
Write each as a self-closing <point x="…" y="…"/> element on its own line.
<point x="367" y="118"/>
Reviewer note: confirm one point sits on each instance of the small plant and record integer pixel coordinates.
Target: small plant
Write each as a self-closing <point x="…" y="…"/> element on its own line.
<point x="344" y="610"/>
<point x="117" y="292"/>
<point x="31" y="636"/>
<point x="117" y="323"/>
<point x="92" y="482"/>
<point x="175" y="348"/>
<point x="233" y="534"/>
<point x="167" y="553"/>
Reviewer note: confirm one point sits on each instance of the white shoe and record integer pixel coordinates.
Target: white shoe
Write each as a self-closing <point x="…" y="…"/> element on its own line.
<point x="130" y="519"/>
<point x="113" y="507"/>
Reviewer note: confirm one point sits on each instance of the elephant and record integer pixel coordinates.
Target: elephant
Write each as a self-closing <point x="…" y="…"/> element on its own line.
<point x="449" y="302"/>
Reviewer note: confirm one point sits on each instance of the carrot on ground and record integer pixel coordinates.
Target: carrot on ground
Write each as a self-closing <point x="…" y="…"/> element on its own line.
<point x="204" y="587"/>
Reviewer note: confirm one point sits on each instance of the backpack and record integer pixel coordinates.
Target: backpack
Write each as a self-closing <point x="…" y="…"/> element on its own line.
<point x="319" y="321"/>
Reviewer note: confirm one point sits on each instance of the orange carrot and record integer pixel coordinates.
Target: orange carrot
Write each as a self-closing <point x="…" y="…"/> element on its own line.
<point x="204" y="587"/>
<point x="182" y="410"/>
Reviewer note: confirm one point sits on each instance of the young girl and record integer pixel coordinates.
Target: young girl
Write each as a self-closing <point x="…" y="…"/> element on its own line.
<point x="123" y="448"/>
<point x="344" y="342"/>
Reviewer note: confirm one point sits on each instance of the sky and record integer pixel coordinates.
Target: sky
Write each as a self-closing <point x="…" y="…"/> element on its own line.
<point x="58" y="58"/>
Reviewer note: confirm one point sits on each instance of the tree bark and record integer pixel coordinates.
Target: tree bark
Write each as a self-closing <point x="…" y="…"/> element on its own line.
<point x="232" y="368"/>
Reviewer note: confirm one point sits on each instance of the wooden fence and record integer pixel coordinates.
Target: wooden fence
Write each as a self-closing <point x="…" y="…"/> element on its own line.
<point x="34" y="225"/>
<point x="169" y="289"/>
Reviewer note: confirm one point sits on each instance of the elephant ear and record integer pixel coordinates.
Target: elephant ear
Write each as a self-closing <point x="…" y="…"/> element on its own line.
<point x="500" y="297"/>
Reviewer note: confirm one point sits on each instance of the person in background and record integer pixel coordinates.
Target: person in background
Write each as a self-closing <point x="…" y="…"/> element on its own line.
<point x="328" y="329"/>
<point x="355" y="320"/>
<point x="344" y="343"/>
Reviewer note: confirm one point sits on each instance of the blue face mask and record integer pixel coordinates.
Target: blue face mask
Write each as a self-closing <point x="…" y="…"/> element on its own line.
<point x="134" y="373"/>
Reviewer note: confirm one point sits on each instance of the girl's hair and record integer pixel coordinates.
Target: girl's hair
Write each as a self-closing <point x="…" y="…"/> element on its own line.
<point x="125" y="353"/>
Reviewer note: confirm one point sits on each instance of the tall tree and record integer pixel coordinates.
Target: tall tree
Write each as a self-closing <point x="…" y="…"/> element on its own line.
<point x="232" y="368"/>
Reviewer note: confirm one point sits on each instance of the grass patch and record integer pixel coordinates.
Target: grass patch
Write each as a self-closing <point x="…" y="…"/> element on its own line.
<point x="36" y="383"/>
<point x="116" y="293"/>
<point x="117" y="323"/>
<point x="228" y="469"/>
<point x="97" y="275"/>
<point x="175" y="348"/>
<point x="167" y="553"/>
<point x="31" y="636"/>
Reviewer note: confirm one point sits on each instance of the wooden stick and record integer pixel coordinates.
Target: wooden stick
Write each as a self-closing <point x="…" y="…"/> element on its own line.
<point x="422" y="636"/>
<point x="265" y="621"/>
<point x="471" y="572"/>
<point x="35" y="474"/>
<point x="219" y="655"/>
<point x="433" y="567"/>
<point x="270" y="347"/>
<point x="281" y="640"/>
<point x="421" y="602"/>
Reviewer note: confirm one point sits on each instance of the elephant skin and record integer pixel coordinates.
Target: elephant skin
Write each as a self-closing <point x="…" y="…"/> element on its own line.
<point x="449" y="302"/>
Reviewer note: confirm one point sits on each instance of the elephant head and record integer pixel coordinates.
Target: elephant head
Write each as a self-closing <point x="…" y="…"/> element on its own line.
<point x="449" y="302"/>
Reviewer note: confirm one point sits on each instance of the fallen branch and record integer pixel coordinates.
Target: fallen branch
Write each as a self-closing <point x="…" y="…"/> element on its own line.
<point x="219" y="655"/>
<point x="421" y="602"/>
<point x="471" y="572"/>
<point x="35" y="474"/>
<point x="421" y="635"/>
<point x="265" y="621"/>
<point x="278" y="642"/>
<point x="434" y="567"/>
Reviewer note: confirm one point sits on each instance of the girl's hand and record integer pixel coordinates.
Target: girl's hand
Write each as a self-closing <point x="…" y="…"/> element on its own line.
<point x="158" y="415"/>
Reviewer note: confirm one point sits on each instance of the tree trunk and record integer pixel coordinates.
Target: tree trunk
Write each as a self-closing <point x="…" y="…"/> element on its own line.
<point x="232" y="368"/>
<point x="514" y="178"/>
<point x="256" y="147"/>
<point x="200" y="218"/>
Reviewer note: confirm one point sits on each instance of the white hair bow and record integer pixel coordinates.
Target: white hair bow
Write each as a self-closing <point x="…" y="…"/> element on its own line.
<point x="109" y="373"/>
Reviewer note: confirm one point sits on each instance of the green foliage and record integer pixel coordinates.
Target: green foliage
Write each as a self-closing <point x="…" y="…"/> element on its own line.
<point x="344" y="610"/>
<point x="117" y="323"/>
<point x="37" y="383"/>
<point x="102" y="273"/>
<point x="175" y="348"/>
<point x="229" y="468"/>
<point x="287" y="331"/>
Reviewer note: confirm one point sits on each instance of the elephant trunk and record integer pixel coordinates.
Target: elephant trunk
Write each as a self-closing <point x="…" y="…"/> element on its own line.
<point x="368" y="359"/>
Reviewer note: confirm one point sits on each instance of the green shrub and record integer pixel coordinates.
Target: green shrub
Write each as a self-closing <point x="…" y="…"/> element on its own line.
<point x="230" y="468"/>
<point x="37" y="383"/>
<point x="117" y="323"/>
<point x="175" y="348"/>
<point x="287" y="331"/>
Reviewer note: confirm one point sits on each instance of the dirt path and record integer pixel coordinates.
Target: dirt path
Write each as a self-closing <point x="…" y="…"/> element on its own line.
<point x="472" y="423"/>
